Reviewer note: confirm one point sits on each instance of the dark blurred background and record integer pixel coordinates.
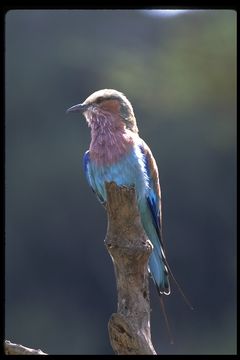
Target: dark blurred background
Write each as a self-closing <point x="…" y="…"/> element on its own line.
<point x="179" y="72"/>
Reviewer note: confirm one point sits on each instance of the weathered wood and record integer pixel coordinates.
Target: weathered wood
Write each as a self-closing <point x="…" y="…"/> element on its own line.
<point x="129" y="247"/>
<point x="16" y="349"/>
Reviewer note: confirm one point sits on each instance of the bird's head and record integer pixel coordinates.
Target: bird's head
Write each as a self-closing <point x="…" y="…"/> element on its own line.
<point x="110" y="104"/>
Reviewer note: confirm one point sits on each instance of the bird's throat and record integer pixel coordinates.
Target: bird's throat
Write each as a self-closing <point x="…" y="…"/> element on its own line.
<point x="110" y="141"/>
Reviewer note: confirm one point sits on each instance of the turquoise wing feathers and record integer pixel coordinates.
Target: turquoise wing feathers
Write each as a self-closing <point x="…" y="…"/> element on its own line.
<point x="158" y="263"/>
<point x="90" y="178"/>
<point x="154" y="194"/>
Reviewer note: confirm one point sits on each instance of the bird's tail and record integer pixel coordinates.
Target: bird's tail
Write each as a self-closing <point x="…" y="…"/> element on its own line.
<point x="186" y="300"/>
<point x="160" y="277"/>
<point x="159" y="272"/>
<point x="160" y="269"/>
<point x="166" y="319"/>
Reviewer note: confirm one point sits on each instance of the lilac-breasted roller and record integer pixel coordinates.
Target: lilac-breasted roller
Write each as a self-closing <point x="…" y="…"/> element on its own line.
<point x="118" y="154"/>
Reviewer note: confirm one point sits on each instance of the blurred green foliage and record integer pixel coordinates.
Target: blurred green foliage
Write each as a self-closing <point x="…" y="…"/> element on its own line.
<point x="179" y="73"/>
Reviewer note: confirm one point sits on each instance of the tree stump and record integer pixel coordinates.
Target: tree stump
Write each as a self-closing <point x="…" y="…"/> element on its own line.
<point x="129" y="248"/>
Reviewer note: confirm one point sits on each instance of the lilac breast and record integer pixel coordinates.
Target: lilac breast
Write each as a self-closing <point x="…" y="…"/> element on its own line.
<point x="129" y="170"/>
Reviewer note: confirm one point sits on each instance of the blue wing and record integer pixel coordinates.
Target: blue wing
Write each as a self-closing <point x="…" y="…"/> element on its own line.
<point x="158" y="263"/>
<point x="90" y="179"/>
<point x="154" y="194"/>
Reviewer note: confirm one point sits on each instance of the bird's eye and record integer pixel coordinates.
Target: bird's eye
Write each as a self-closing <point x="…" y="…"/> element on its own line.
<point x="99" y="100"/>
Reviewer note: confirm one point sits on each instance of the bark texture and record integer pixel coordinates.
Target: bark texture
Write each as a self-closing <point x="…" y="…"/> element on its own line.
<point x="16" y="349"/>
<point x="129" y="247"/>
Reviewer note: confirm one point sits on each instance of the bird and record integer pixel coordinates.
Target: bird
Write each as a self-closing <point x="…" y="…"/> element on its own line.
<point x="117" y="153"/>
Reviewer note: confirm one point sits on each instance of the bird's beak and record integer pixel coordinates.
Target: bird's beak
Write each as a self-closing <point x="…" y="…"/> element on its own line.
<point x="77" y="108"/>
